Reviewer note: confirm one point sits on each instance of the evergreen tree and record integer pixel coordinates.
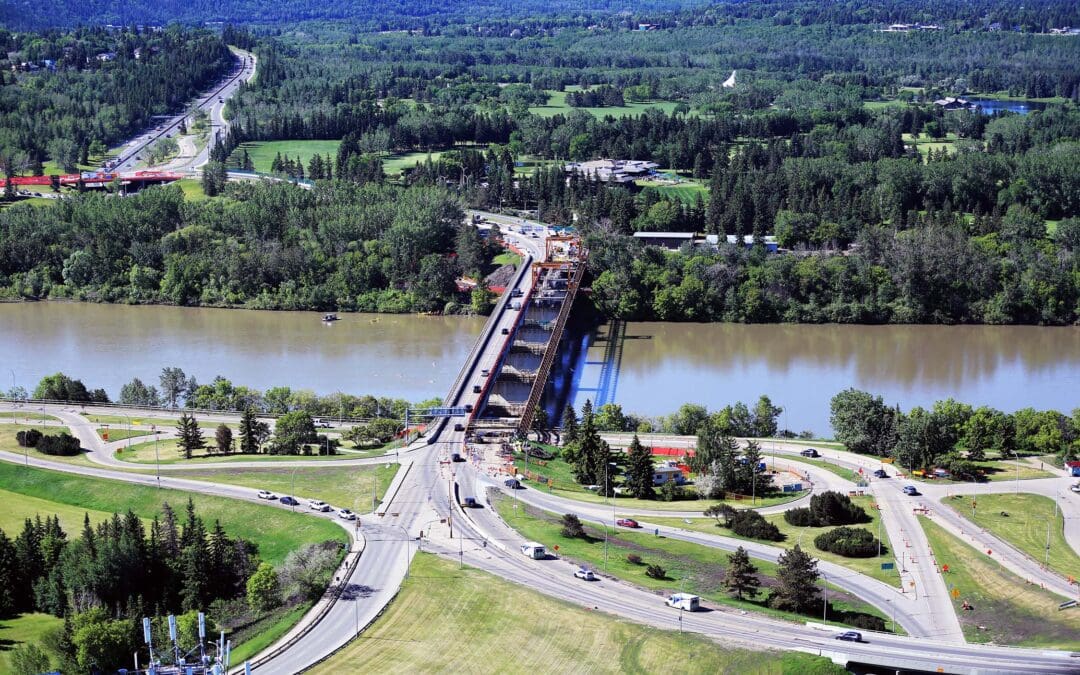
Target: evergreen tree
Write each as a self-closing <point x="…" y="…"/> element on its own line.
<point x="223" y="439"/>
<point x="248" y="443"/>
<point x="639" y="470"/>
<point x="569" y="425"/>
<point x="796" y="576"/>
<point x="740" y="577"/>
<point x="190" y="435"/>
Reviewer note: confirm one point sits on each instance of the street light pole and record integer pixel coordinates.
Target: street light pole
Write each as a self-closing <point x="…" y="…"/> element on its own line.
<point x="825" y="605"/>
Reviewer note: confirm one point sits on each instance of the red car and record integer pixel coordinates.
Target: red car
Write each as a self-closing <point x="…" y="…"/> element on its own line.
<point x="626" y="522"/>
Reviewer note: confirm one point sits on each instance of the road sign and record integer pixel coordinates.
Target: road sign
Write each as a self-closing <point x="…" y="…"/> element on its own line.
<point x="956" y="593"/>
<point x="888" y="566"/>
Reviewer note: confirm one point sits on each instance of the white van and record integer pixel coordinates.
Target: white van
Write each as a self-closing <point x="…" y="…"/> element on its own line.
<point x="534" y="550"/>
<point x="684" y="601"/>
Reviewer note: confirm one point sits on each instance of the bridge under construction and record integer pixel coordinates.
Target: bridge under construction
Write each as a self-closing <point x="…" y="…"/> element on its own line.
<point x="528" y="345"/>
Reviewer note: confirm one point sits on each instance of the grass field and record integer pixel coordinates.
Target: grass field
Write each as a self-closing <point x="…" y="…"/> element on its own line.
<point x="1025" y="526"/>
<point x="507" y="258"/>
<point x="192" y="189"/>
<point x="262" y="153"/>
<point x="826" y="464"/>
<point x="556" y="105"/>
<point x="565" y="486"/>
<point x="690" y="567"/>
<point x="804" y="536"/>
<point x="1001" y="470"/>
<point x="147" y="422"/>
<point x="276" y="531"/>
<point x="349" y="487"/>
<point x="121" y="434"/>
<point x="687" y="192"/>
<point x="169" y="451"/>
<point x="1011" y="611"/>
<point x="394" y="164"/>
<point x="447" y="620"/>
<point x="924" y="144"/>
<point x="28" y="416"/>
<point x="20" y="629"/>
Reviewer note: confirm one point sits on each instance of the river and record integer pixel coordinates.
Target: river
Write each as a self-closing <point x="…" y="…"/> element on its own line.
<point x="652" y="370"/>
<point x="800" y="367"/>
<point x="405" y="356"/>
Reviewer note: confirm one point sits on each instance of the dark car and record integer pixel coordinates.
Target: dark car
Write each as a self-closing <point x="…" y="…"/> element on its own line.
<point x="459" y="427"/>
<point x="809" y="452"/>
<point x="880" y="473"/>
<point x="476" y="389"/>
<point x="456" y="457"/>
<point x="470" y="503"/>
<point x="505" y="331"/>
<point x="289" y="501"/>
<point x="512" y="483"/>
<point x="850" y="636"/>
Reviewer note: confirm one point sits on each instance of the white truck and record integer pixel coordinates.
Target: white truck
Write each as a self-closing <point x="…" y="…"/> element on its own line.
<point x="534" y="550"/>
<point x="684" y="601"/>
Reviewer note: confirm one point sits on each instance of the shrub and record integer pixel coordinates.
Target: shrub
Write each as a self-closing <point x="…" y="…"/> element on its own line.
<point x="572" y="527"/>
<point x="827" y="508"/>
<point x="865" y="621"/>
<point x="64" y="445"/>
<point x="801" y="517"/>
<point x="850" y="542"/>
<point x="633" y="558"/>
<point x="28" y="439"/>
<point x="656" y="572"/>
<point x="752" y="524"/>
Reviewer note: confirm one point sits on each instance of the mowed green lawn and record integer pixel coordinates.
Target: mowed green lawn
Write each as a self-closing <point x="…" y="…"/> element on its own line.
<point x="167" y="450"/>
<point x="564" y="485"/>
<point x="556" y="105"/>
<point x="276" y="531"/>
<point x="804" y="536"/>
<point x="23" y="628"/>
<point x="1030" y="518"/>
<point x="1007" y="610"/>
<point x="450" y="620"/>
<point x="262" y="153"/>
<point x="343" y="487"/>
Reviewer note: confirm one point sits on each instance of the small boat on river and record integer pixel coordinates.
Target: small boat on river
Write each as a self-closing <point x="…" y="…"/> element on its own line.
<point x="327" y="318"/>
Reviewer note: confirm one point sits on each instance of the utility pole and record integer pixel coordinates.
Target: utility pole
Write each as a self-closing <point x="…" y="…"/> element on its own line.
<point x="1046" y="563"/>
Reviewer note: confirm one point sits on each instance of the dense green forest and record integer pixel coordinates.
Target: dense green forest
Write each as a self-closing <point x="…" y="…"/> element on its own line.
<point x="269" y="246"/>
<point x="888" y="208"/>
<point x="65" y="97"/>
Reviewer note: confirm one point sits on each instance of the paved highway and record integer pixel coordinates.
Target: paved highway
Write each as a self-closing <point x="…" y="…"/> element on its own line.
<point x="130" y="154"/>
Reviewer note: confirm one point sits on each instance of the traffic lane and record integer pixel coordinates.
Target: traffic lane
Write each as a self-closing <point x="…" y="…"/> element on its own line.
<point x="643" y="606"/>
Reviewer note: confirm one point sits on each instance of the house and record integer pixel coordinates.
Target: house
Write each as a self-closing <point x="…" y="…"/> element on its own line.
<point x="106" y="56"/>
<point x="670" y="240"/>
<point x="1073" y="468"/>
<point x="622" y="171"/>
<point x="953" y="103"/>
<point x="668" y="472"/>
<point x="769" y="241"/>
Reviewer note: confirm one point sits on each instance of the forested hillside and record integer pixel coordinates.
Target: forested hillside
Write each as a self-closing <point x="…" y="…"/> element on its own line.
<point x="67" y="96"/>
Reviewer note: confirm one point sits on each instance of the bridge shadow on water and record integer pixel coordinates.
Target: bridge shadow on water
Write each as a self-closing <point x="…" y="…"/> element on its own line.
<point x="574" y="377"/>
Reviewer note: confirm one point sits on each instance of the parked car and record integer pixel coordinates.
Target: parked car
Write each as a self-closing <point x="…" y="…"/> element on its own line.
<point x="585" y="574"/>
<point x="266" y="494"/>
<point x="346" y="514"/>
<point x="910" y="490"/>
<point x="809" y="452"/>
<point x="626" y="522"/>
<point x="318" y="505"/>
<point x="850" y="636"/>
<point x="289" y="501"/>
<point x="880" y="473"/>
